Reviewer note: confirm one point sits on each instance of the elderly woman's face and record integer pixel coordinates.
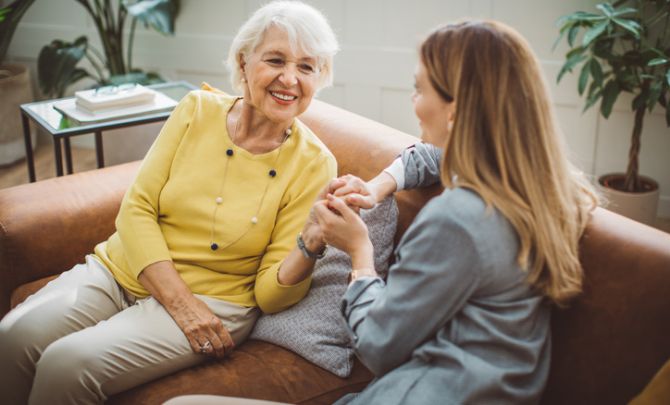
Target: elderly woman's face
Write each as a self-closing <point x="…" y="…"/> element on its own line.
<point x="279" y="82"/>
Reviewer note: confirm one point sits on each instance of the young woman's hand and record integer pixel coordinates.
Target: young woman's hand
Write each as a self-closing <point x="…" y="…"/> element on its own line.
<point x="356" y="192"/>
<point x="361" y="194"/>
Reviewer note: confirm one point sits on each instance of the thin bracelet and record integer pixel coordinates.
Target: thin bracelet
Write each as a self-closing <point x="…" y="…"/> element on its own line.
<point x="356" y="273"/>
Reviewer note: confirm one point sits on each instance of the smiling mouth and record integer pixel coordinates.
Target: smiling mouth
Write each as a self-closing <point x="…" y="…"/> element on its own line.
<point x="283" y="97"/>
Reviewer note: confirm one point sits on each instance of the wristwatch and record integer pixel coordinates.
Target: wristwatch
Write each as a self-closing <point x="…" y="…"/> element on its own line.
<point x="306" y="252"/>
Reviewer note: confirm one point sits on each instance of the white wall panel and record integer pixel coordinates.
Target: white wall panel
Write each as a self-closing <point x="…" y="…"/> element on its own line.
<point x="397" y="111"/>
<point x="374" y="71"/>
<point x="580" y="135"/>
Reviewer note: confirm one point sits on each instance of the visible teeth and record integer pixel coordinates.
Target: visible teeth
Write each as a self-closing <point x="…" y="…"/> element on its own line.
<point x="285" y="97"/>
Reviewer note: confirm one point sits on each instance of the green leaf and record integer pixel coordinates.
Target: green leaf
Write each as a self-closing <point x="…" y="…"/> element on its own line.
<point x="157" y="14"/>
<point x="623" y="11"/>
<point x="572" y="34"/>
<point x="629" y="25"/>
<point x="606" y="8"/>
<point x="56" y="65"/>
<point x="569" y="64"/>
<point x="594" y="32"/>
<point x="580" y="17"/>
<point x="654" y="94"/>
<point x="657" y="62"/>
<point x="610" y="94"/>
<point x="596" y="71"/>
<point x="583" y="78"/>
<point x="3" y="12"/>
<point x="137" y="76"/>
<point x="667" y="77"/>
<point x="595" y="92"/>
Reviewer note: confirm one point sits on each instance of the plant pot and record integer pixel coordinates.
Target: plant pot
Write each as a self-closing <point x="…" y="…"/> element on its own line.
<point x="640" y="206"/>
<point x="16" y="89"/>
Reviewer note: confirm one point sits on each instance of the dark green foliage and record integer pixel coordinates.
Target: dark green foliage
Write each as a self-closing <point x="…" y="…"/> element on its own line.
<point x="9" y="20"/>
<point x="57" y="61"/>
<point x="624" y="47"/>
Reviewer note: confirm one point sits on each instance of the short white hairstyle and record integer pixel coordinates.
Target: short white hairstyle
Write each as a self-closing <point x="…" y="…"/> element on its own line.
<point x="307" y="30"/>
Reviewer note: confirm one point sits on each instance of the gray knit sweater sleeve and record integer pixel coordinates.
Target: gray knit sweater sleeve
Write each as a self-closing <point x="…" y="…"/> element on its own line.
<point x="422" y="165"/>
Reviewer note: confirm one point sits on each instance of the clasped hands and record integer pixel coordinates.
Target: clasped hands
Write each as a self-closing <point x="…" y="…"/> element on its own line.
<point x="334" y="217"/>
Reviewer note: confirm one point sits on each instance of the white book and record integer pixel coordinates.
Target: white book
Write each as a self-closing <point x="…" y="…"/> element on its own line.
<point x="69" y="108"/>
<point x="109" y="97"/>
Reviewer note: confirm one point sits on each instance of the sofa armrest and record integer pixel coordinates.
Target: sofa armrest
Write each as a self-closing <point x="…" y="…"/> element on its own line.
<point x="49" y="226"/>
<point x="612" y="339"/>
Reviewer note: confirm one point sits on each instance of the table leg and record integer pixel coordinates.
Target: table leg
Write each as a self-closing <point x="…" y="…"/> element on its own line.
<point x="58" y="155"/>
<point x="100" y="156"/>
<point x="68" y="154"/>
<point x="29" y="147"/>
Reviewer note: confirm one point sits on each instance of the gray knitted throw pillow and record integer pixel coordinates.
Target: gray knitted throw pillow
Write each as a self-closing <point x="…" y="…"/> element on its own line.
<point x="314" y="327"/>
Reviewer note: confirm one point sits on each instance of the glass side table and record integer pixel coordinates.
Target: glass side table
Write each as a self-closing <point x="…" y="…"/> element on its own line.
<point x="62" y="128"/>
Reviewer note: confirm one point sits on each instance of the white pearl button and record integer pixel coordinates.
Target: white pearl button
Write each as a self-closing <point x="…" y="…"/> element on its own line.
<point x="219" y="200"/>
<point x="254" y="220"/>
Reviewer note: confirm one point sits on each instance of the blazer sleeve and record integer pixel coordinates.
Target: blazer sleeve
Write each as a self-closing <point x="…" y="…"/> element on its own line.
<point x="435" y="273"/>
<point x="422" y="165"/>
<point x="137" y="222"/>
<point x="271" y="296"/>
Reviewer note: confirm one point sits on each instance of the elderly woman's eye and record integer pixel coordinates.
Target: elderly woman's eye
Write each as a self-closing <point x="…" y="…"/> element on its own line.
<point x="306" y="68"/>
<point x="275" y="61"/>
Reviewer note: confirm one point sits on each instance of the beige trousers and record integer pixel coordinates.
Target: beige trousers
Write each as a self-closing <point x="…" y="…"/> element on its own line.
<point x="82" y="338"/>
<point x="217" y="400"/>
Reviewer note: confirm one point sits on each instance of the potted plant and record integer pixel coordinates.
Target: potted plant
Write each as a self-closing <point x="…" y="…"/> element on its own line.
<point x="15" y="86"/>
<point x="624" y="47"/>
<point x="57" y="62"/>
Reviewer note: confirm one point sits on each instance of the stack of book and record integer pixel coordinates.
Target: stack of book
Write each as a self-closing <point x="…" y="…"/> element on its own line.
<point x="113" y="102"/>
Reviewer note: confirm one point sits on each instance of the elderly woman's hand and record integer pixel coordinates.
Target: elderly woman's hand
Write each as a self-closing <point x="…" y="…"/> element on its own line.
<point x="311" y="233"/>
<point x="342" y="227"/>
<point x="204" y="330"/>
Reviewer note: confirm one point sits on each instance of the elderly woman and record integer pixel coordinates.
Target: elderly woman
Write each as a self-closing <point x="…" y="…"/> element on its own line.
<point x="205" y="236"/>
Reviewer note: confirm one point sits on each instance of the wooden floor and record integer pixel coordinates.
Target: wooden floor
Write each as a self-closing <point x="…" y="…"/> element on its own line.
<point x="45" y="168"/>
<point x="84" y="159"/>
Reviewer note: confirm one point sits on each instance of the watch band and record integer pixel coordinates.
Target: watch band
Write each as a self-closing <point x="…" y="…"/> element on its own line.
<point x="306" y="252"/>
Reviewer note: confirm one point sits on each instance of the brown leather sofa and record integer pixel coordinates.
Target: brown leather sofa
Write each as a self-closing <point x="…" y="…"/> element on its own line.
<point x="605" y="347"/>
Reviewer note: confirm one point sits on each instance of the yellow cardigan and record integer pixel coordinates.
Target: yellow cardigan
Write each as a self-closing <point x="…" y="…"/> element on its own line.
<point x="167" y="214"/>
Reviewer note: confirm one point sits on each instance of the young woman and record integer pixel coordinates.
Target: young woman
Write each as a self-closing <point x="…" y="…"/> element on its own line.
<point x="463" y="316"/>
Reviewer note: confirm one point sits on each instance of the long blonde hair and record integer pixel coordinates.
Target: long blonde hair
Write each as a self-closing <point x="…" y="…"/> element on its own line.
<point x="505" y="145"/>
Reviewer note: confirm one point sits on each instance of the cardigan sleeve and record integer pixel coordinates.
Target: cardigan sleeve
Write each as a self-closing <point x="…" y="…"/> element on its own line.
<point x="435" y="273"/>
<point x="137" y="222"/>
<point x="422" y="165"/>
<point x="271" y="296"/>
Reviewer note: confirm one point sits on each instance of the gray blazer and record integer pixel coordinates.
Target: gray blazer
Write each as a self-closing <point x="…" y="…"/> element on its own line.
<point x="455" y="322"/>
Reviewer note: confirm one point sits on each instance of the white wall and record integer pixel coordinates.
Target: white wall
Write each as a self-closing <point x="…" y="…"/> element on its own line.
<point x="374" y="70"/>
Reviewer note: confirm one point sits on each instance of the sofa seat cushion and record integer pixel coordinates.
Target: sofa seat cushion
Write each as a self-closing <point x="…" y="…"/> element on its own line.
<point x="257" y="370"/>
<point x="277" y="374"/>
<point x="26" y="290"/>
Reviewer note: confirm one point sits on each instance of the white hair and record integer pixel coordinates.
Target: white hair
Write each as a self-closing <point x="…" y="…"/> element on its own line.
<point x="307" y="29"/>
